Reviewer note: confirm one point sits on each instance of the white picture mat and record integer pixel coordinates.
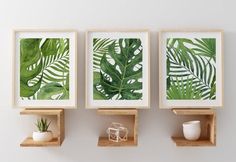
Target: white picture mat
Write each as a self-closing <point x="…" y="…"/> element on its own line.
<point x="144" y="103"/>
<point x="164" y="103"/>
<point x="71" y="103"/>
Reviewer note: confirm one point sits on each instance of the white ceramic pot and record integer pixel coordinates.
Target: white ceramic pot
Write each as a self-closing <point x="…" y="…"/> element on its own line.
<point x="192" y="130"/>
<point x="42" y="136"/>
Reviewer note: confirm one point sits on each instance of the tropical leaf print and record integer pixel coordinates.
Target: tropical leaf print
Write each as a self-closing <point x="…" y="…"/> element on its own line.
<point x="120" y="74"/>
<point x="30" y="66"/>
<point x="44" y="69"/>
<point x="191" y="71"/>
<point x="100" y="47"/>
<point x="179" y="90"/>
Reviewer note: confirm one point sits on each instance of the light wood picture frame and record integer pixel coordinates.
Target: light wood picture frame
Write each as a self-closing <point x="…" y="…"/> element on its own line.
<point x="117" y="69"/>
<point x="191" y="69"/>
<point x="44" y="68"/>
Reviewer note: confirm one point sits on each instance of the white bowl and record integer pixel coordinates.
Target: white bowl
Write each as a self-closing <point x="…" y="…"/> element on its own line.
<point x="192" y="130"/>
<point x="42" y="136"/>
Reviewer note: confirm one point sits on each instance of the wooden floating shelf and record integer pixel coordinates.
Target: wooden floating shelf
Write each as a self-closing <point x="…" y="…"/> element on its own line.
<point x="103" y="142"/>
<point x="132" y="141"/>
<point x="29" y="142"/>
<point x="181" y="141"/>
<point x="56" y="141"/>
<point x="209" y="127"/>
<point x="42" y="112"/>
<point x="193" y="111"/>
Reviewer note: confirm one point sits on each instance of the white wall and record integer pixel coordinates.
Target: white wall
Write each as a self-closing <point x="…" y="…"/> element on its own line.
<point x="83" y="126"/>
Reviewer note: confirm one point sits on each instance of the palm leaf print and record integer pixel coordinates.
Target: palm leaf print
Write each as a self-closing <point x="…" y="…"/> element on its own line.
<point x="191" y="62"/>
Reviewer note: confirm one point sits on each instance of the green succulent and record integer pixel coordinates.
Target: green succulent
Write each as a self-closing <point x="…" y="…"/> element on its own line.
<point x="42" y="125"/>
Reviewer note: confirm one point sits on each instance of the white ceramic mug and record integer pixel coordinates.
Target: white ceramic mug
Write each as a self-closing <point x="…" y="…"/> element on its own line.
<point x="192" y="130"/>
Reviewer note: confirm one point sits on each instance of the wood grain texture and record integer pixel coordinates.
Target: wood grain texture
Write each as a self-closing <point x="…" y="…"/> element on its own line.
<point x="193" y="111"/>
<point x="57" y="141"/>
<point x="61" y="126"/>
<point x="133" y="113"/>
<point x="41" y="111"/>
<point x="208" y="128"/>
<point x="117" y="111"/>
<point x="29" y="142"/>
<point x="104" y="142"/>
<point x="181" y="141"/>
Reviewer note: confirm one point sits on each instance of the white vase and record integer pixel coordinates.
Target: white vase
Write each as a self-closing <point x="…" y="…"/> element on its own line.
<point x="42" y="136"/>
<point x="192" y="130"/>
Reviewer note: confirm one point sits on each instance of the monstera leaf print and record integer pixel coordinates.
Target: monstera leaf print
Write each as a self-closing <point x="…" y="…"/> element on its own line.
<point x="44" y="73"/>
<point x="120" y="72"/>
<point x="191" y="72"/>
<point x="30" y="66"/>
<point x="53" y="89"/>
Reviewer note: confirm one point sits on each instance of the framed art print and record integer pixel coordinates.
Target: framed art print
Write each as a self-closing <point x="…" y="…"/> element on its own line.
<point x="117" y="69"/>
<point x="45" y="69"/>
<point x="191" y="69"/>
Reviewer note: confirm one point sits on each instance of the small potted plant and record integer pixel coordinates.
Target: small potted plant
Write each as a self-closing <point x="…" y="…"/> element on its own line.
<point x="43" y="134"/>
